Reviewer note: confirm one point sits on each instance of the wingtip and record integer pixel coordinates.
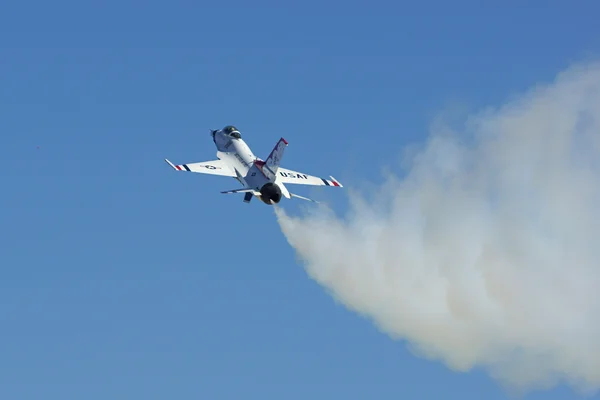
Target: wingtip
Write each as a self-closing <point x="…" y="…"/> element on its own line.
<point x="170" y="163"/>
<point x="335" y="181"/>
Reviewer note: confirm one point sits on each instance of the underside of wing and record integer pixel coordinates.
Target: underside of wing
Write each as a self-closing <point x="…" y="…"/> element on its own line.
<point x="288" y="176"/>
<point x="214" y="167"/>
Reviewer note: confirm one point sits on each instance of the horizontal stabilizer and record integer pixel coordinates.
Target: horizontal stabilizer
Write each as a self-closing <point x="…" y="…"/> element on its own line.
<point x="303" y="198"/>
<point x="243" y="190"/>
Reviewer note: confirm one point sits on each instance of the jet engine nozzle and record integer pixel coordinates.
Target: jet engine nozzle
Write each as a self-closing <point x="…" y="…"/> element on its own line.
<point x="270" y="193"/>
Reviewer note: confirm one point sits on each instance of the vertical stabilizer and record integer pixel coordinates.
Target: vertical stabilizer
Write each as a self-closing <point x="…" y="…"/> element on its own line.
<point x="271" y="164"/>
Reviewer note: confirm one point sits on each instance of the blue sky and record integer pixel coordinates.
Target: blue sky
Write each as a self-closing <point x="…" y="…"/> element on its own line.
<point x="122" y="278"/>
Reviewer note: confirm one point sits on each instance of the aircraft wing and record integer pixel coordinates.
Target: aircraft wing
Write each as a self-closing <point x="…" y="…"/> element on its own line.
<point x="215" y="167"/>
<point x="288" y="176"/>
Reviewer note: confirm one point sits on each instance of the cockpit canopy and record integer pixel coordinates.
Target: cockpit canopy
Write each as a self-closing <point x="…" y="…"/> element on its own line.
<point x="232" y="131"/>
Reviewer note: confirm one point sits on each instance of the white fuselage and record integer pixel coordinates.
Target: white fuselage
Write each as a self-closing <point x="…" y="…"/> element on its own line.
<point x="236" y="153"/>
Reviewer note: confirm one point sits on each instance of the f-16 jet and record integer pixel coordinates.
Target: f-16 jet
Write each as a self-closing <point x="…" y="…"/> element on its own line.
<point x="264" y="179"/>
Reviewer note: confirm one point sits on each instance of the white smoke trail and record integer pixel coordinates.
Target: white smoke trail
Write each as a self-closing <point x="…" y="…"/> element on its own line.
<point x="487" y="253"/>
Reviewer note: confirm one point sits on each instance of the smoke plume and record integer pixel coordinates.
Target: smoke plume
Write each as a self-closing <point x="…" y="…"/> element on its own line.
<point x="486" y="252"/>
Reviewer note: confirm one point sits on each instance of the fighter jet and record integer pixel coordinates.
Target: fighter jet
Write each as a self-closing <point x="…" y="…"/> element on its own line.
<point x="264" y="179"/>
